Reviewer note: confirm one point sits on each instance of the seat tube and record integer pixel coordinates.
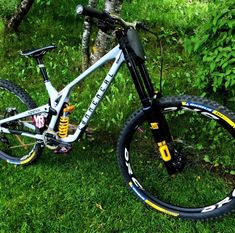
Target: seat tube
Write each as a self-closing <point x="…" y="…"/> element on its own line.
<point x="50" y="89"/>
<point x="42" y="68"/>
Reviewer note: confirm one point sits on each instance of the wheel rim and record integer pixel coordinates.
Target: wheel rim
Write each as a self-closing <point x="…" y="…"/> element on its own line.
<point x="14" y="148"/>
<point x="202" y="183"/>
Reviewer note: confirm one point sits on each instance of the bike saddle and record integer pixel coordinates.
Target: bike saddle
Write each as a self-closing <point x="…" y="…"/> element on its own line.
<point x="35" y="53"/>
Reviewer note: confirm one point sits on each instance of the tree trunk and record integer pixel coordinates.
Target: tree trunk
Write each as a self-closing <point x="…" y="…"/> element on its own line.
<point x="19" y="14"/>
<point x="103" y="41"/>
<point x="86" y="38"/>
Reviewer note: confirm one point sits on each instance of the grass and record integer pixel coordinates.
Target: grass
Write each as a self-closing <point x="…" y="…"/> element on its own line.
<point x="84" y="191"/>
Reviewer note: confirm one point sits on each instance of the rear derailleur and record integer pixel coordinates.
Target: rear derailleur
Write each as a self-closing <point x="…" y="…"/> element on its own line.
<point x="8" y="113"/>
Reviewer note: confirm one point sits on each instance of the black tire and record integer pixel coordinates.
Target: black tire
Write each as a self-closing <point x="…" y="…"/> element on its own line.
<point x="203" y="132"/>
<point x="17" y="149"/>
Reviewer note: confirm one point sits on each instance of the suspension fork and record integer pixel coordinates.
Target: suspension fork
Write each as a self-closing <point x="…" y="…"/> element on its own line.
<point x="152" y="110"/>
<point x="162" y="136"/>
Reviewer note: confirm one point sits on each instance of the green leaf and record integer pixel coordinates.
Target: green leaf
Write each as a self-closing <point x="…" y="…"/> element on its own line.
<point x="197" y="45"/>
<point x="207" y="159"/>
<point x="228" y="71"/>
<point x="227" y="83"/>
<point x="231" y="24"/>
<point x="232" y="81"/>
<point x="231" y="60"/>
<point x="212" y="66"/>
<point x="219" y="80"/>
<point x="227" y="49"/>
<point x="232" y="172"/>
<point x="224" y="65"/>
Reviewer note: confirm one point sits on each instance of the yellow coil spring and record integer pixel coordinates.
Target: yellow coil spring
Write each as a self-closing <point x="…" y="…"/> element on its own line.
<point x="63" y="127"/>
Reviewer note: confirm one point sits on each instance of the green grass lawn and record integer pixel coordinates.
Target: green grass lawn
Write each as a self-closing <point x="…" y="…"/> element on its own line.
<point x="84" y="191"/>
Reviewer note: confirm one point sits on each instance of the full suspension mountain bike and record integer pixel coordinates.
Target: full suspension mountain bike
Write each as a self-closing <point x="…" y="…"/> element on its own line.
<point x="162" y="148"/>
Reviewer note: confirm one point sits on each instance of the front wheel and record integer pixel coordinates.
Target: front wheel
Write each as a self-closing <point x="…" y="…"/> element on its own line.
<point x="203" y="134"/>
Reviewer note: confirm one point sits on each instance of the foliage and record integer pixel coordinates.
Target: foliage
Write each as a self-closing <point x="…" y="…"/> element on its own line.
<point x="59" y="8"/>
<point x="7" y="7"/>
<point x="83" y="192"/>
<point x="178" y="14"/>
<point x="1" y="33"/>
<point x="214" y="44"/>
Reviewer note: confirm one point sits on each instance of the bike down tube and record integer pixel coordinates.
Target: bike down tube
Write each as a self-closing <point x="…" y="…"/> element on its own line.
<point x="98" y="97"/>
<point x="63" y="95"/>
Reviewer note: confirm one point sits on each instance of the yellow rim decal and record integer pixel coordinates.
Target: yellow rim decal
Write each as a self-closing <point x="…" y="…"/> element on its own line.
<point x="152" y="204"/>
<point x="161" y="209"/>
<point x="215" y="112"/>
<point x="222" y="116"/>
<point x="28" y="159"/>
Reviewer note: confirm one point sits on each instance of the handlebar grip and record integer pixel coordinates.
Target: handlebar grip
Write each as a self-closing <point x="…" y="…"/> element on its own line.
<point x="90" y="11"/>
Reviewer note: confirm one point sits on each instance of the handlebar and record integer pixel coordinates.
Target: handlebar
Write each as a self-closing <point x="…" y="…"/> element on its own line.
<point x="110" y="20"/>
<point x="90" y="11"/>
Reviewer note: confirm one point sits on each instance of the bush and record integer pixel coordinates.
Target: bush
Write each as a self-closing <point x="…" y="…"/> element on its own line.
<point x="214" y="46"/>
<point x="7" y="7"/>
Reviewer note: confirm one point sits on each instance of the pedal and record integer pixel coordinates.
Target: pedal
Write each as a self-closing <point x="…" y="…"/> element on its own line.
<point x="63" y="149"/>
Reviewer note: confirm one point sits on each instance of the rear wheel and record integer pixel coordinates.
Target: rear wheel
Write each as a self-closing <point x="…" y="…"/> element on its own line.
<point x="203" y="139"/>
<point x="17" y="149"/>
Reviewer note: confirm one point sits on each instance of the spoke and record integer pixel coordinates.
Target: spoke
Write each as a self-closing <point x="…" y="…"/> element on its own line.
<point x="22" y="142"/>
<point x="18" y="146"/>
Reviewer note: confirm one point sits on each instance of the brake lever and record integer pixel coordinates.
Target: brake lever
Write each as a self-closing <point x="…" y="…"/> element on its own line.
<point x="104" y="26"/>
<point x="143" y="26"/>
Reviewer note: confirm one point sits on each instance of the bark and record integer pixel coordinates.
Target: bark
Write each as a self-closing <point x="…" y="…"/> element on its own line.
<point x="103" y="41"/>
<point x="86" y="38"/>
<point x="19" y="14"/>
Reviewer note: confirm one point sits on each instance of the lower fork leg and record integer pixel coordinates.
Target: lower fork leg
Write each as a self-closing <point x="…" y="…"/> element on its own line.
<point x="163" y="139"/>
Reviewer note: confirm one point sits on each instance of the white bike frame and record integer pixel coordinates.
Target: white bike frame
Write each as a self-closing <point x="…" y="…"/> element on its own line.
<point x="57" y="99"/>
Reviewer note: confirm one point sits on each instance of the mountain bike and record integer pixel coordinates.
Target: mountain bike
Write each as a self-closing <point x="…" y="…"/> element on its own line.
<point x="165" y="146"/>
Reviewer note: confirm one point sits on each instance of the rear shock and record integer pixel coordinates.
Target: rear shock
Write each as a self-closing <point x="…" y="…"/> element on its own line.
<point x="64" y="121"/>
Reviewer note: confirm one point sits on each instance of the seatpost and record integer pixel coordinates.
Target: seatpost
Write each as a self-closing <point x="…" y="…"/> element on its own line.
<point x="42" y="68"/>
<point x="51" y="90"/>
